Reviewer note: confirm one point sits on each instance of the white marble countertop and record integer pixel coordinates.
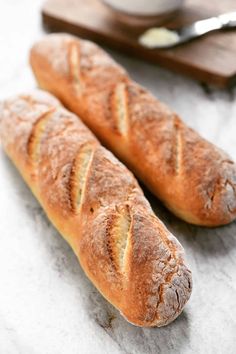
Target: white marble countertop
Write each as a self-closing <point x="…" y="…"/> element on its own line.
<point x="47" y="305"/>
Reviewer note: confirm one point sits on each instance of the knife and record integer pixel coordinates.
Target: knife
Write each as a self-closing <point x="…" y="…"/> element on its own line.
<point x="161" y="38"/>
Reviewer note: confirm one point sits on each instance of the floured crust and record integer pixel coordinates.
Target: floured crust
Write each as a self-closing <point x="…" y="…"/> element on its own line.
<point x="195" y="179"/>
<point x="99" y="208"/>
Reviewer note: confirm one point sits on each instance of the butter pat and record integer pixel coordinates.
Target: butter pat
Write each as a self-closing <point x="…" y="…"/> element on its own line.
<point x="158" y="37"/>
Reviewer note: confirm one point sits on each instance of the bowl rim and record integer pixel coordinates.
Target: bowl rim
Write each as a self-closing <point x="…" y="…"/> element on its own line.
<point x="150" y="13"/>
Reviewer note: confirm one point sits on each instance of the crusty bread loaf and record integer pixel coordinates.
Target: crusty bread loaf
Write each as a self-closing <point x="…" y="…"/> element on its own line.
<point x="195" y="179"/>
<point x="99" y="208"/>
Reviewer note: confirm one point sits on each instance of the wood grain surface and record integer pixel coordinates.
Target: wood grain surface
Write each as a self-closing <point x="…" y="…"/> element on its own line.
<point x="210" y="59"/>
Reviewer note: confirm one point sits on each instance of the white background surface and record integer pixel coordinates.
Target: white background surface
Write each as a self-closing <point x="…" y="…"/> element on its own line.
<point x="47" y="305"/>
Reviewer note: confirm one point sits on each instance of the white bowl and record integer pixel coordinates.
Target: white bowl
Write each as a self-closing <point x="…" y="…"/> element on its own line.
<point x="145" y="7"/>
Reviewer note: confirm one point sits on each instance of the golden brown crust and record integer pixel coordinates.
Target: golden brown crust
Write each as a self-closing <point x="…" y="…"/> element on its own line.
<point x="195" y="179"/>
<point x="97" y="205"/>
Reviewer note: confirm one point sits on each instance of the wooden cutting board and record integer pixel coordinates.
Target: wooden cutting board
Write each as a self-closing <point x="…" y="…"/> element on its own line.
<point x="211" y="59"/>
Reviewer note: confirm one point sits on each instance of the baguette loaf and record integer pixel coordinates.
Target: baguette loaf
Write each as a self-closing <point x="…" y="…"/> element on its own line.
<point x="99" y="208"/>
<point x="195" y="179"/>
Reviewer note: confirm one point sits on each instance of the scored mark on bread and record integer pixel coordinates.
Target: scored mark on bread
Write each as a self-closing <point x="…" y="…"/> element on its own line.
<point x="79" y="175"/>
<point x="177" y="146"/>
<point x="119" y="236"/>
<point x="213" y="192"/>
<point x="34" y="140"/>
<point x="120" y="108"/>
<point x="228" y="186"/>
<point x="74" y="65"/>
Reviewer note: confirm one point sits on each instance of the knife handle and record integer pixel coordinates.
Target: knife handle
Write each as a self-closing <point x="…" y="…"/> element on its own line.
<point x="228" y="20"/>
